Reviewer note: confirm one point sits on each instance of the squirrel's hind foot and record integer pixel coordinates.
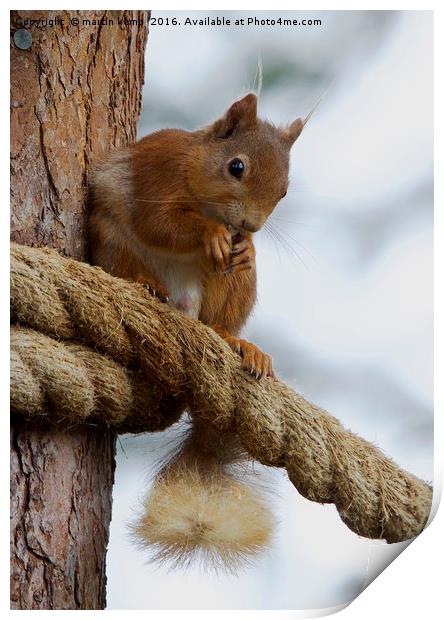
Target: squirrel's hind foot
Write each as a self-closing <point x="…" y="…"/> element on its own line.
<point x="255" y="361"/>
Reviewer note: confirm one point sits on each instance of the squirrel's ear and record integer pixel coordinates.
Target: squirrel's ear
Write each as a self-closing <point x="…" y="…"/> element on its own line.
<point x="242" y="114"/>
<point x="293" y="131"/>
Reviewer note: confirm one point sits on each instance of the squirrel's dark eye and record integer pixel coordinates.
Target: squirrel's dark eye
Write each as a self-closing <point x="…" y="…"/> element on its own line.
<point x="236" y="167"/>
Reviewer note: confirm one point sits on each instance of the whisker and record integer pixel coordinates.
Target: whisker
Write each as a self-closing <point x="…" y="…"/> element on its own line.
<point x="188" y="201"/>
<point x="295" y="190"/>
<point x="164" y="201"/>
<point x="270" y="236"/>
<point x="292" y="252"/>
<point x="287" y="221"/>
<point x="300" y="245"/>
<point x="281" y="242"/>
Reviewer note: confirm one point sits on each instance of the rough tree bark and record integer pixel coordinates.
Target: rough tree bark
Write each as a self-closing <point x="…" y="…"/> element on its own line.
<point x="75" y="93"/>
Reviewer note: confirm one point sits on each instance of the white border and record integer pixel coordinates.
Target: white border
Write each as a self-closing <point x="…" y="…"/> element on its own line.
<point x="411" y="586"/>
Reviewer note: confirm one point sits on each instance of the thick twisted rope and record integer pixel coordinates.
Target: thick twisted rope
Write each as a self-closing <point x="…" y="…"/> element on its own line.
<point x="143" y="361"/>
<point x="68" y="384"/>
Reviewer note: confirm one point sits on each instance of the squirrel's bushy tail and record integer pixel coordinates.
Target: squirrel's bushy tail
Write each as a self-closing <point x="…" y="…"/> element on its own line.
<point x="202" y="509"/>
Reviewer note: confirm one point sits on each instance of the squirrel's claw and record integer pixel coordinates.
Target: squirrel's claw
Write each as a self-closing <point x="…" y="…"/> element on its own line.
<point x="161" y="295"/>
<point x="254" y="361"/>
<point x="242" y="256"/>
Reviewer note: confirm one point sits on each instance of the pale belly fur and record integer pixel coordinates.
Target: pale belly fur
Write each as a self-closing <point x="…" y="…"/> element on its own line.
<point x="183" y="280"/>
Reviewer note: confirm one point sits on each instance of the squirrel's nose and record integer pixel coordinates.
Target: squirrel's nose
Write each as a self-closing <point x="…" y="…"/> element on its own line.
<point x="249" y="226"/>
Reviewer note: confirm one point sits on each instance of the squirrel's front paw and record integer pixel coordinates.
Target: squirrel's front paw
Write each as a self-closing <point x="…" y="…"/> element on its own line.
<point x="218" y="244"/>
<point x="154" y="288"/>
<point x="242" y="256"/>
<point x="160" y="292"/>
<point x="254" y="360"/>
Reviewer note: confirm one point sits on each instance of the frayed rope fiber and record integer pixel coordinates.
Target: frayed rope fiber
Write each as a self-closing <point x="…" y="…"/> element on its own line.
<point x="89" y="348"/>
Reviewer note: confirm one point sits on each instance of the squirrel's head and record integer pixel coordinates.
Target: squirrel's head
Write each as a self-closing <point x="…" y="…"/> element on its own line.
<point x="238" y="168"/>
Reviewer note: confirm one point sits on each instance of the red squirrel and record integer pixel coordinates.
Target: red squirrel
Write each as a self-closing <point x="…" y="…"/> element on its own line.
<point x="177" y="212"/>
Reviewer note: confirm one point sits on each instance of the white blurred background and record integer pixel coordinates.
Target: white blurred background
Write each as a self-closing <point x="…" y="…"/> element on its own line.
<point x="345" y="291"/>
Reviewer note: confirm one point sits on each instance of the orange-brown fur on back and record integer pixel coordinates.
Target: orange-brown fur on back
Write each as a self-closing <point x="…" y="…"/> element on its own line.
<point x="177" y="212"/>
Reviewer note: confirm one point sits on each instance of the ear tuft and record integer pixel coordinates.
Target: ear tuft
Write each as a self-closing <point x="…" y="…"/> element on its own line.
<point x="293" y="131"/>
<point x="241" y="115"/>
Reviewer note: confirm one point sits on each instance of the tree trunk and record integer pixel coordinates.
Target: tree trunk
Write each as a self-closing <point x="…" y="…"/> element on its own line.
<point x="75" y="93"/>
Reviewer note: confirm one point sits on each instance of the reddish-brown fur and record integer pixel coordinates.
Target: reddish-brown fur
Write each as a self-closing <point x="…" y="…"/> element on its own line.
<point x="171" y="196"/>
